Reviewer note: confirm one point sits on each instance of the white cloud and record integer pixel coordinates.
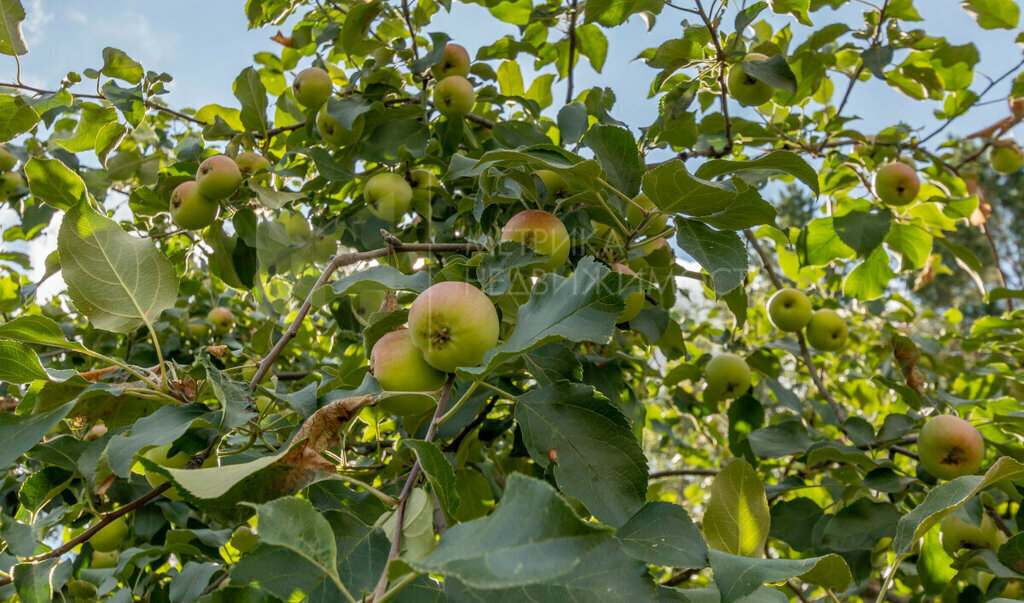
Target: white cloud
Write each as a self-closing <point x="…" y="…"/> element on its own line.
<point x="36" y="21"/>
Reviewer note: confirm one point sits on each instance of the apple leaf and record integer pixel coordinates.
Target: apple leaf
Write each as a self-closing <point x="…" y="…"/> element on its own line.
<point x="720" y="253"/>
<point x="674" y="190"/>
<point x="616" y="151"/>
<point x="119" y="65"/>
<point x="118" y="281"/>
<point x="993" y="14"/>
<point x="19" y="433"/>
<point x="736" y="520"/>
<point x="382" y="277"/>
<point x="12" y="42"/>
<point x="862" y="230"/>
<point x="164" y="426"/>
<point x="251" y="93"/>
<point x="531" y="537"/>
<point x="19" y="364"/>
<point x="440" y="474"/>
<point x="662" y="533"/>
<point x="55" y="183"/>
<point x="738" y="576"/>
<point x="16" y="116"/>
<point x="597" y="457"/>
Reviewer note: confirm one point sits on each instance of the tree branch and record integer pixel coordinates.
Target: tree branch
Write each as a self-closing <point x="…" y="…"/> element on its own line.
<point x="684" y="472"/>
<point x="396" y="538"/>
<point x="724" y="89"/>
<point x="572" y="49"/>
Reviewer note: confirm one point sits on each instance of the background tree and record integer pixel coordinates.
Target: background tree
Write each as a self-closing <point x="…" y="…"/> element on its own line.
<point x="402" y="324"/>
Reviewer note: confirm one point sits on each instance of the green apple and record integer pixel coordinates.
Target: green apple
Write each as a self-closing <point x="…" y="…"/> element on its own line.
<point x="454" y="96"/>
<point x="896" y="184"/>
<point x="158" y="455"/>
<point x="296" y="225"/>
<point x="746" y="89"/>
<point x="388" y="196"/>
<point x="218" y="177"/>
<point x="556" y="186"/>
<point x="111" y="536"/>
<point x="950" y="447"/>
<point x="453" y="324"/>
<point x="366" y="302"/>
<point x="634" y="300"/>
<point x="336" y="134"/>
<point x="657" y="221"/>
<point x="826" y="330"/>
<point x="7" y="160"/>
<point x="657" y="252"/>
<point x="190" y="209"/>
<point x="789" y="309"/>
<point x="222" y="319"/>
<point x="197" y="327"/>
<point x="312" y="87"/>
<point x="542" y="232"/>
<point x="957" y="534"/>
<point x="399" y="367"/>
<point x="103" y="560"/>
<point x="249" y="163"/>
<point x="1006" y="157"/>
<point x="244" y="539"/>
<point x="455" y="61"/>
<point x="423" y="184"/>
<point x="10" y="183"/>
<point x="726" y="376"/>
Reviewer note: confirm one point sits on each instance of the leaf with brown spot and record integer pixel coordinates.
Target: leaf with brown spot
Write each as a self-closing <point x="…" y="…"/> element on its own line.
<point x="320" y="430"/>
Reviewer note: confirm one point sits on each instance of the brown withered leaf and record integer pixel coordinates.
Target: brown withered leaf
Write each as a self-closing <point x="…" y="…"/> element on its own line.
<point x="320" y="431"/>
<point x="390" y="302"/>
<point x="97" y="374"/>
<point x="186" y="390"/>
<point x="281" y="39"/>
<point x="219" y="351"/>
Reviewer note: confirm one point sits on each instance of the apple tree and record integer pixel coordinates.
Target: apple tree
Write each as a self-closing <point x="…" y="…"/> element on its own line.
<point x="415" y="322"/>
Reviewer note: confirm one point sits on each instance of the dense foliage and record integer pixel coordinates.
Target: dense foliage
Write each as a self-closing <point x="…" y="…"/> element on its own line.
<point x="195" y="417"/>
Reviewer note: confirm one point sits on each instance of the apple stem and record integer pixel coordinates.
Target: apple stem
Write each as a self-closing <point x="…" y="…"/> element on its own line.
<point x="403" y="498"/>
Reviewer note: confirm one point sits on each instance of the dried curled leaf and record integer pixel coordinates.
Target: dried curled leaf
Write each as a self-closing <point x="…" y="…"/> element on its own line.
<point x="281" y="39"/>
<point x="219" y="351"/>
<point x="97" y="374"/>
<point x="320" y="431"/>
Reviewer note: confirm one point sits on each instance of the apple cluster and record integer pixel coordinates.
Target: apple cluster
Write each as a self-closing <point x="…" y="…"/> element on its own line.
<point x="196" y="203"/>
<point x="10" y="180"/>
<point x="453" y="93"/>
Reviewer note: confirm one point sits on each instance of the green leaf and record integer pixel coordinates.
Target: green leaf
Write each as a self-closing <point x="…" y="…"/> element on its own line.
<point x="990" y="14"/>
<point x="862" y="230"/>
<point x="19" y="364"/>
<point x="592" y="44"/>
<point x="583" y="307"/>
<point x="662" y="533"/>
<point x="572" y="122"/>
<point x="164" y="426"/>
<point x="531" y="537"/>
<point x="819" y="244"/>
<point x="738" y="576"/>
<point x="673" y="190"/>
<point x="295" y="536"/>
<point x="934" y="565"/>
<point x="440" y="474"/>
<point x="615" y="149"/>
<point x="214" y="482"/>
<point x="190" y="582"/>
<point x="780" y="161"/>
<point x="92" y="119"/>
<point x="235" y="398"/>
<point x="859" y="526"/>
<point x="54" y="183"/>
<point x="382" y="277"/>
<point x="19" y="433"/>
<point x="797" y="8"/>
<point x="946" y="498"/>
<point x="720" y="253"/>
<point x="775" y="72"/>
<point x="251" y="93"/>
<point x="510" y="79"/>
<point x="117" y="64"/>
<point x="32" y="581"/>
<point x="16" y="116"/>
<point x="498" y="267"/>
<point x="780" y="440"/>
<point x="736" y="520"/>
<point x="870" y="279"/>
<point x="606" y="574"/>
<point x="118" y="281"/>
<point x="12" y="42"/>
<point x="597" y="457"/>
<point x="610" y="13"/>
<point x="912" y="243"/>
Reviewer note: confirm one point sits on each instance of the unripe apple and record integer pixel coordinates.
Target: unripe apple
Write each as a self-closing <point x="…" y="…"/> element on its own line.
<point x="454" y="96"/>
<point x="103" y="560"/>
<point x="957" y="534"/>
<point x="950" y="447"/>
<point x="336" y="134"/>
<point x="190" y="209"/>
<point x="423" y="184"/>
<point x="455" y="61"/>
<point x="726" y="376"/>
<point x="7" y="160"/>
<point x="789" y="309"/>
<point x="657" y="252"/>
<point x="388" y="196"/>
<point x="1006" y="157"/>
<point x="747" y="89"/>
<point x="453" y="324"/>
<point x="366" y="303"/>
<point x="218" y="177"/>
<point x="221" y="318"/>
<point x="657" y="221"/>
<point x="197" y="327"/>
<point x="542" y="232"/>
<point x="296" y="225"/>
<point x="896" y="184"/>
<point x="244" y="539"/>
<point x="96" y="432"/>
<point x="312" y="87"/>
<point x="826" y="330"/>
<point x="249" y="163"/>
<point x="634" y="300"/>
<point x="111" y="536"/>
<point x="10" y="182"/>
<point x="556" y="186"/>
<point x="399" y="367"/>
<point x="158" y="455"/>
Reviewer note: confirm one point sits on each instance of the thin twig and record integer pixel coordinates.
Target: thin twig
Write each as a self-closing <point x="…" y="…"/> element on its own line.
<point x="572" y="50"/>
<point x="720" y="57"/>
<point x="396" y="538"/>
<point x="685" y="472"/>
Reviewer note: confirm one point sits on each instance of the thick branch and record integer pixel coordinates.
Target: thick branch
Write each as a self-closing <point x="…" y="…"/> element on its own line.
<point x="396" y="538"/>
